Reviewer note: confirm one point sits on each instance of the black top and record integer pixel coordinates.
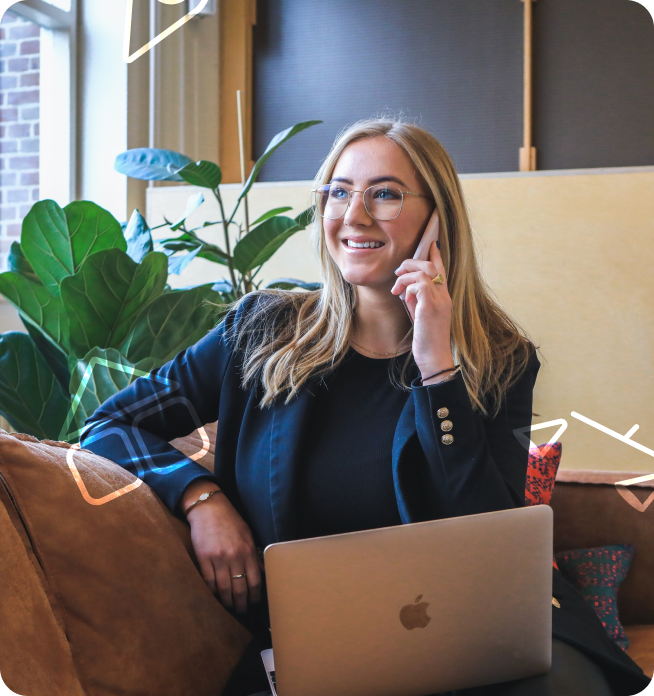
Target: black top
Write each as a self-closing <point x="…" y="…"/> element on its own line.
<point x="345" y="476"/>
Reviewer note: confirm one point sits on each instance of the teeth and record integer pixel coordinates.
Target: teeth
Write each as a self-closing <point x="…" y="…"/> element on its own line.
<point x="364" y="245"/>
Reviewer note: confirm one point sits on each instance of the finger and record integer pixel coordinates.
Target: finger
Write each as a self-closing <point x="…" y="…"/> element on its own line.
<point x="240" y="591"/>
<point x="208" y="573"/>
<point x="412" y="265"/>
<point x="408" y="279"/>
<point x="224" y="583"/>
<point x="254" y="579"/>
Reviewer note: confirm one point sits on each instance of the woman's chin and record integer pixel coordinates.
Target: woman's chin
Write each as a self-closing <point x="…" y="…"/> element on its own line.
<point x="370" y="279"/>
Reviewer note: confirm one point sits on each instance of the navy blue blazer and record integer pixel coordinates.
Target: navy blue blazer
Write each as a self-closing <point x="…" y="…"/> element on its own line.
<point x="258" y="451"/>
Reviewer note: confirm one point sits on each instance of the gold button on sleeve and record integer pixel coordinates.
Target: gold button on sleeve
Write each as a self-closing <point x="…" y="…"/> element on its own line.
<point x="447" y="439"/>
<point x="443" y="412"/>
<point x="447" y="425"/>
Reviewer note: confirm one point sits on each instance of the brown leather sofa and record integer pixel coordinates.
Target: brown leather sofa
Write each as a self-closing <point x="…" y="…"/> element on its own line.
<point x="590" y="511"/>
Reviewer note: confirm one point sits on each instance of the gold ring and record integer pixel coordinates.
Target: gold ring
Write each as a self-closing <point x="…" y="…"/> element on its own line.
<point x="438" y="279"/>
<point x="242" y="575"/>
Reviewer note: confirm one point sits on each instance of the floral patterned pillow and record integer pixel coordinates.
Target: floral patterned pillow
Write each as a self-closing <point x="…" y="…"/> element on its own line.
<point x="542" y="466"/>
<point x="596" y="574"/>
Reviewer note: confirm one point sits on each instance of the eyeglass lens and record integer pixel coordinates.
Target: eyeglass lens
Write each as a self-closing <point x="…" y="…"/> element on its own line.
<point x="382" y="202"/>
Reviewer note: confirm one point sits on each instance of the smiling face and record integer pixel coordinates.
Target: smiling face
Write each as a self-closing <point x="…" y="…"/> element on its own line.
<point x="365" y="163"/>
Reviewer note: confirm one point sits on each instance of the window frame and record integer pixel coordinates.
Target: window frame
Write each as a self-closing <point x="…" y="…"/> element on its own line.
<point x="57" y="115"/>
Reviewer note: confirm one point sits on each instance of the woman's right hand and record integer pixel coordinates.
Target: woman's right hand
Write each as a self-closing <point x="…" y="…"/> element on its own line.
<point x="224" y="547"/>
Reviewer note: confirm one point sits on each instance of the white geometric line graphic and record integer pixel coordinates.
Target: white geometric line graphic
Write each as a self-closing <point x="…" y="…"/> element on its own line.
<point x="527" y="443"/>
<point x="160" y="37"/>
<point x="626" y="438"/>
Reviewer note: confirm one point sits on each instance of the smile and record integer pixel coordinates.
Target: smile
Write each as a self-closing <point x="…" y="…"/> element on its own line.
<point x="363" y="245"/>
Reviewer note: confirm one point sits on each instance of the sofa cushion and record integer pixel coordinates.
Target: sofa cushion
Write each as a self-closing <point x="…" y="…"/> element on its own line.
<point x="641" y="647"/>
<point x="542" y="466"/>
<point x="138" y="617"/>
<point x="597" y="574"/>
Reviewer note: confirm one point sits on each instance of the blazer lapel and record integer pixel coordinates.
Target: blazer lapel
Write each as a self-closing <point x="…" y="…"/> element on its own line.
<point x="405" y="430"/>
<point x="289" y="423"/>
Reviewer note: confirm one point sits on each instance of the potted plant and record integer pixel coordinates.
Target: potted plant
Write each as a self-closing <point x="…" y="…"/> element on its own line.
<point x="94" y="298"/>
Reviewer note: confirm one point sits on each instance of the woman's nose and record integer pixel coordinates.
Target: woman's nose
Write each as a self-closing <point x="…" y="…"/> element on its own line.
<point x="356" y="214"/>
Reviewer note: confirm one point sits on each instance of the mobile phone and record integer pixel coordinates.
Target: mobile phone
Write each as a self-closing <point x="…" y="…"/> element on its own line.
<point x="428" y="236"/>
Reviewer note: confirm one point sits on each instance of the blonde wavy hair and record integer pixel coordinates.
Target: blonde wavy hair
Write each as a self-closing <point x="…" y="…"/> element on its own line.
<point x="288" y="336"/>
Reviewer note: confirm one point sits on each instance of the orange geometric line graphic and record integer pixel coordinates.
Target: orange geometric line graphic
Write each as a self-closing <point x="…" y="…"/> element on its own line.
<point x="82" y="488"/>
<point x="160" y="37"/>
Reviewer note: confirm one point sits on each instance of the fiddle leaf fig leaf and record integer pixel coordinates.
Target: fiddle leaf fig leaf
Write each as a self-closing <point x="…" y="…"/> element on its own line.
<point x="172" y="322"/>
<point x="36" y="305"/>
<point x="17" y="263"/>
<point x="104" y="298"/>
<point x="31" y="398"/>
<point x="271" y="213"/>
<point x="56" y="242"/>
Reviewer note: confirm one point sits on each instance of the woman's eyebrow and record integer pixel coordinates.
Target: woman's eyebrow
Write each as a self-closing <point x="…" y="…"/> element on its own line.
<point x="371" y="182"/>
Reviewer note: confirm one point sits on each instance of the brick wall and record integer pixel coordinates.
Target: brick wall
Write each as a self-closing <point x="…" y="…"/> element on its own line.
<point x="19" y="125"/>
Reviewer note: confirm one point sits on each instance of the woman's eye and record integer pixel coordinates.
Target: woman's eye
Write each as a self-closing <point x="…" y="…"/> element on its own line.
<point x="386" y="195"/>
<point x="339" y="193"/>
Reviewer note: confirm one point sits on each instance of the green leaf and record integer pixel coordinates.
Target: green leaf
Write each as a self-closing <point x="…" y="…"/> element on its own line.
<point x="192" y="204"/>
<point x="138" y="237"/>
<point x="17" y="263"/>
<point x="45" y="242"/>
<point x="262" y="242"/>
<point x="53" y="355"/>
<point x="306" y="217"/>
<point x="151" y="164"/>
<point x="92" y="229"/>
<point x="37" y="305"/>
<point x="104" y="298"/>
<point x="211" y="255"/>
<point x="177" y="264"/>
<point x="290" y="283"/>
<point x="56" y="242"/>
<point x="173" y="322"/>
<point x="272" y="213"/>
<point x="278" y="140"/>
<point x="202" y="173"/>
<point x="31" y="399"/>
<point x="95" y="378"/>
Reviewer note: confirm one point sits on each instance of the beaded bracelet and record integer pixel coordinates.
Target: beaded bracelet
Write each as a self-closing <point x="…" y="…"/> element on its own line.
<point x="453" y="370"/>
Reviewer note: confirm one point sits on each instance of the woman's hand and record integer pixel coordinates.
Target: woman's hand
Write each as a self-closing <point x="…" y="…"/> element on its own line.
<point x="430" y="306"/>
<point x="224" y="547"/>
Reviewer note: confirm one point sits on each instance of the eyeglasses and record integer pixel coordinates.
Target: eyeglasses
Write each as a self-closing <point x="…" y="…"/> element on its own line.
<point x="382" y="202"/>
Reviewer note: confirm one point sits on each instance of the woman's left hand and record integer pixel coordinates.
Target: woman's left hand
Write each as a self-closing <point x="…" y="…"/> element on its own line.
<point x="430" y="306"/>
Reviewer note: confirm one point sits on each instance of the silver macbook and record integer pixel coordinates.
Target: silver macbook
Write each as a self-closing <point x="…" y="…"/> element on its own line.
<point x="414" y="609"/>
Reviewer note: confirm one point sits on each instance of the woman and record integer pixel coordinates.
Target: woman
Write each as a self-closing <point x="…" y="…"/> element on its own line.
<point x="347" y="408"/>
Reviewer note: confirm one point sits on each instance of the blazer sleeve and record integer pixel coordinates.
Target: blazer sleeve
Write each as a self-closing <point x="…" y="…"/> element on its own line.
<point x="484" y="468"/>
<point x="133" y="428"/>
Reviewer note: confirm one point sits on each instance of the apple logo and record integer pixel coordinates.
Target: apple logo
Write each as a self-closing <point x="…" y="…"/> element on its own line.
<point x="415" y="615"/>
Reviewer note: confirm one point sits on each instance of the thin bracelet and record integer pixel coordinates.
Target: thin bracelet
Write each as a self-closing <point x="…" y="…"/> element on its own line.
<point x="201" y="499"/>
<point x="454" y="370"/>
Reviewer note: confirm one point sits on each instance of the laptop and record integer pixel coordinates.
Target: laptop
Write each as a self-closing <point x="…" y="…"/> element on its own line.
<point x="412" y="610"/>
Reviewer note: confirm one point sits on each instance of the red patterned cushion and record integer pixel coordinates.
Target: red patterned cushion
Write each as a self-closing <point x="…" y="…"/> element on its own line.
<point x="542" y="466"/>
<point x="597" y="574"/>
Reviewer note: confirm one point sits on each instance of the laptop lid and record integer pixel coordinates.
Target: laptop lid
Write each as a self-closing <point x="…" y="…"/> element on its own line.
<point x="414" y="609"/>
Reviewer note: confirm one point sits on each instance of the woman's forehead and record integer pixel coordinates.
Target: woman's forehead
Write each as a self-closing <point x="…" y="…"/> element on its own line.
<point x="372" y="158"/>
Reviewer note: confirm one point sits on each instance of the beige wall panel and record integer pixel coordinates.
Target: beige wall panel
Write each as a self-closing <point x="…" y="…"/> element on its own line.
<point x="570" y="256"/>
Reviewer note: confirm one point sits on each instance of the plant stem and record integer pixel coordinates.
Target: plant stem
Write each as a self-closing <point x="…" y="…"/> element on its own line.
<point x="230" y="261"/>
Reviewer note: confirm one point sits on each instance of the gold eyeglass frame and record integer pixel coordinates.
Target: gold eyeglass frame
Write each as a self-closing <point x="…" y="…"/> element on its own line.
<point x="349" y="200"/>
